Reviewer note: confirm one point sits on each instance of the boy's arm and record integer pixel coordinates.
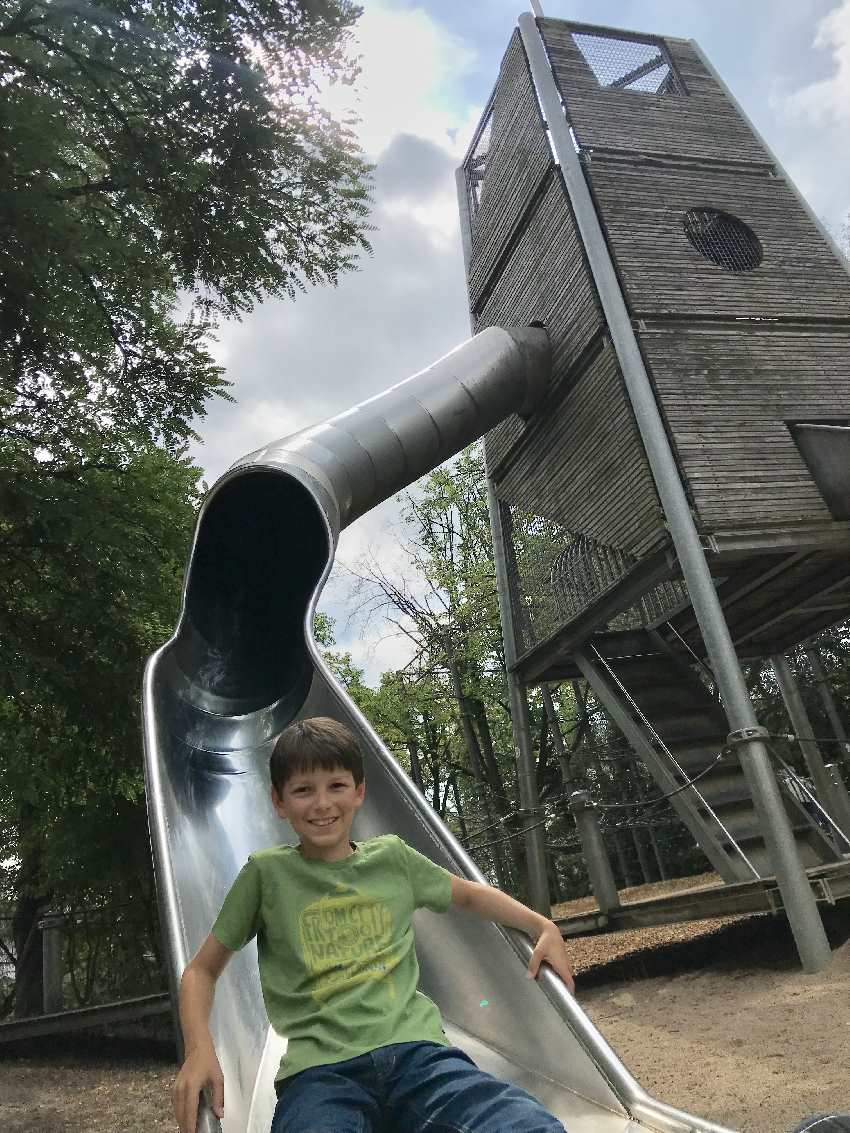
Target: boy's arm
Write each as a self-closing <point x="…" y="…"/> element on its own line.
<point x="201" y="1066"/>
<point x="493" y="905"/>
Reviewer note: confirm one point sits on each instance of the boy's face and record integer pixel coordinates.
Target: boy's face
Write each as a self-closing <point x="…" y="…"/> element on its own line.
<point x="320" y="806"/>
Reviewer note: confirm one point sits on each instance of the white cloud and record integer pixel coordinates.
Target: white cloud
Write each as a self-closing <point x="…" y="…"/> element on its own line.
<point x="296" y="363"/>
<point x="402" y="90"/>
<point x="828" y="100"/>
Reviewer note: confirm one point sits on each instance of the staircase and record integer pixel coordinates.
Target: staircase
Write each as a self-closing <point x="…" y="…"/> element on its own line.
<point x="679" y="707"/>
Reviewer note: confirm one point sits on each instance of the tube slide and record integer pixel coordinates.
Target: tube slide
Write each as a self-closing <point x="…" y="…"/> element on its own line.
<point x="243" y="664"/>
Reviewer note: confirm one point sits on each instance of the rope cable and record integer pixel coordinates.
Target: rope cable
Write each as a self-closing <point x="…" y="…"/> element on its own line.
<point x="670" y="794"/>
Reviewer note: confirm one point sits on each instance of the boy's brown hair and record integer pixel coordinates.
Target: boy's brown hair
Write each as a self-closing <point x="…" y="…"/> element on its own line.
<point x="319" y="742"/>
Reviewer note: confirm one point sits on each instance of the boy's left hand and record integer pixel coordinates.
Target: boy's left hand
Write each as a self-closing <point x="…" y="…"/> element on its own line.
<point x="550" y="949"/>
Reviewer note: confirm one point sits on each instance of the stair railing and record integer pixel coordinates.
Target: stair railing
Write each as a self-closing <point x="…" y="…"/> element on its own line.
<point x="700" y="662"/>
<point x="799" y="789"/>
<point x="688" y="782"/>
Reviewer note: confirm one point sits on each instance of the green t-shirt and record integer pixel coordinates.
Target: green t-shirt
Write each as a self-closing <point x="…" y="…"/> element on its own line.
<point x="338" y="967"/>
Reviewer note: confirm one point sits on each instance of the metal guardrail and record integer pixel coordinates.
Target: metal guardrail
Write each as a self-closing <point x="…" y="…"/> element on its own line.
<point x="81" y="1018"/>
<point x="829" y="883"/>
<point x="555" y="575"/>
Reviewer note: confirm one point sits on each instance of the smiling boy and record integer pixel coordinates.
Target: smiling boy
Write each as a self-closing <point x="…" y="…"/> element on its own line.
<point x="338" y="967"/>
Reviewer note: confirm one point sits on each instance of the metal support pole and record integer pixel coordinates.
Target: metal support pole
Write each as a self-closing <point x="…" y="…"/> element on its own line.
<point x="656" y="849"/>
<point x="834" y="773"/>
<point x="637" y="834"/>
<point x="799" y="717"/>
<point x="465" y="222"/>
<point x="642" y="856"/>
<point x="534" y="833"/>
<point x="595" y="854"/>
<point x="797" y="896"/>
<point x="535" y="837"/>
<point x="51" y="962"/>
<point x="832" y="797"/>
<point x="628" y="880"/>
<point x="557" y="735"/>
<point x="827" y="698"/>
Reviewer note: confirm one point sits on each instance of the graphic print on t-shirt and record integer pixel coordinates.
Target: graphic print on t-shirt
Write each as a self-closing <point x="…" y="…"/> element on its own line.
<point x="345" y="940"/>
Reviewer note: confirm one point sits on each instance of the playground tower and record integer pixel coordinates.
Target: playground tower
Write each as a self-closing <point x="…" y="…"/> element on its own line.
<point x="683" y="494"/>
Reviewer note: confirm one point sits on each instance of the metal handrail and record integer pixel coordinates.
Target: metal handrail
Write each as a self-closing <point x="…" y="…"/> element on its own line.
<point x="800" y="783"/>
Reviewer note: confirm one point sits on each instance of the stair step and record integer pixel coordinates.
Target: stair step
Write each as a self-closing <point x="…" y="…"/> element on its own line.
<point x="709" y="778"/>
<point x="684" y="732"/>
<point x="702" y="753"/>
<point x="674" y="717"/>
<point x="694" y="761"/>
<point x="734" y="795"/>
<point x="720" y="789"/>
<point x="708" y="744"/>
<point x="648" y="672"/>
<point x="660" y="695"/>
<point x="756" y="851"/>
<point x="753" y="835"/>
<point x="706" y="763"/>
<point x="683" y="712"/>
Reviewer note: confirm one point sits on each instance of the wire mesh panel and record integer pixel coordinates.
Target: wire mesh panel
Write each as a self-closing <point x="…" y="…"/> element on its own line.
<point x="476" y="165"/>
<point x="533" y="544"/>
<point x="629" y="64"/>
<point x="584" y="569"/>
<point x="662" y="602"/>
<point x="723" y="239"/>
<point x="556" y="574"/>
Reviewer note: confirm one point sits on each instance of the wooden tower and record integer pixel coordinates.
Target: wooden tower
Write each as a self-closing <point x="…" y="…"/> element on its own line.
<point x="737" y="308"/>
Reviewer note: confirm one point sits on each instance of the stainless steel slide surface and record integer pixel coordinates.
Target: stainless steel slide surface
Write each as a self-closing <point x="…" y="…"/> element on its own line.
<point x="243" y="664"/>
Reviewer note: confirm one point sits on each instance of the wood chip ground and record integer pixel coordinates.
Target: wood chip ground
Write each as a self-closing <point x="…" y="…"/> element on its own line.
<point x="714" y="1017"/>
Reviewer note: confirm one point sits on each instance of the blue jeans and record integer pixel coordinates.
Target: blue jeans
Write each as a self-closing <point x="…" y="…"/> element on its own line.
<point x="417" y="1087"/>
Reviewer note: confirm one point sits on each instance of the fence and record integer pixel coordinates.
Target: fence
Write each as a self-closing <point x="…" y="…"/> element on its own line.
<point x="90" y="955"/>
<point x="555" y="574"/>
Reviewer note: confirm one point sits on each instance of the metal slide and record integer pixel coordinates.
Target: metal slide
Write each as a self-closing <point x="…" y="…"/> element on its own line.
<point x="242" y="664"/>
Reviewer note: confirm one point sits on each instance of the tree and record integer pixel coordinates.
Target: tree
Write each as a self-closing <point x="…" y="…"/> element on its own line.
<point x="90" y="568"/>
<point x="151" y="151"/>
<point x="155" y="158"/>
<point x="451" y="614"/>
<point x="446" y="715"/>
<point x="182" y="142"/>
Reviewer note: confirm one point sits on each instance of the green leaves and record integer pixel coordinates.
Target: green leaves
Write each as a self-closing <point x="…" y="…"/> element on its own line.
<point x="161" y="165"/>
<point x="152" y="148"/>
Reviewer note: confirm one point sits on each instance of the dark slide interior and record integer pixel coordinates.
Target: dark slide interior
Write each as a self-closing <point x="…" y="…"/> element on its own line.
<point x="261" y="549"/>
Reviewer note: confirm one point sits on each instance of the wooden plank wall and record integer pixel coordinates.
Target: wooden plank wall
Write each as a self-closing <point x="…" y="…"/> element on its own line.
<point x="664" y="275"/>
<point x="727" y="404"/>
<point x="701" y="124"/>
<point x="733" y="355"/>
<point x="584" y="466"/>
<point x="579" y="460"/>
<point x="518" y="160"/>
<point x="545" y="279"/>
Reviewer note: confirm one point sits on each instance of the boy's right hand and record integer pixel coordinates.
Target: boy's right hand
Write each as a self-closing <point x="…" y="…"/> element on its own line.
<point x="201" y="1069"/>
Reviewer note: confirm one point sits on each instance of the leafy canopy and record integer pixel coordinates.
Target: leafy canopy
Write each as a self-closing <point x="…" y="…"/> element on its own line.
<point x="161" y="165"/>
<point x="152" y="150"/>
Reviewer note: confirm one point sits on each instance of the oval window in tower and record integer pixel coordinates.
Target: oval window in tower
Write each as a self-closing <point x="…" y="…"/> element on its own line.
<point x="723" y="239"/>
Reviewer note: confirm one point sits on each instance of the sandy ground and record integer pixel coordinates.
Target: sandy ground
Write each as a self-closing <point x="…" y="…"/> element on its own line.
<point x="715" y="1018"/>
<point x="753" y="1044"/>
<point x="94" y="1086"/>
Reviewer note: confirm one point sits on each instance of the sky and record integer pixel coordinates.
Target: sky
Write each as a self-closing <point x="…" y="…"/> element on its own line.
<point x="428" y="69"/>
